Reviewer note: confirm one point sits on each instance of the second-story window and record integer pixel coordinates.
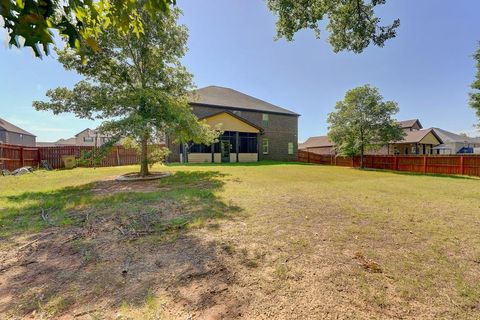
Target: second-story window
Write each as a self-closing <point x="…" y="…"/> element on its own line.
<point x="265" y="119"/>
<point x="87" y="139"/>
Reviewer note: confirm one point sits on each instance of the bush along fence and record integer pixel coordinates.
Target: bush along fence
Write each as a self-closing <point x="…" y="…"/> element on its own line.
<point x="13" y="156"/>
<point x="432" y="164"/>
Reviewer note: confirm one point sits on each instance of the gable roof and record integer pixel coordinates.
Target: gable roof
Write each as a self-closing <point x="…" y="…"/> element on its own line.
<point x="418" y="135"/>
<point x="228" y="98"/>
<point x="316" y="142"/>
<point x="448" y="136"/>
<point x="7" y="126"/>
<point x="409" y="123"/>
<point x="235" y="116"/>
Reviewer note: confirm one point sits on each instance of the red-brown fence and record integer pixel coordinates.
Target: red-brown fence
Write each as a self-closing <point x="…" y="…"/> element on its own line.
<point x="432" y="164"/>
<point x="13" y="157"/>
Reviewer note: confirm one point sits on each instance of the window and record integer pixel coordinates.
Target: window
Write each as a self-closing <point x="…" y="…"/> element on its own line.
<point x="200" y="148"/>
<point x="87" y="139"/>
<point x="265" y="146"/>
<point x="248" y="142"/>
<point x="290" y="148"/>
<point x="21" y="136"/>
<point x="265" y="119"/>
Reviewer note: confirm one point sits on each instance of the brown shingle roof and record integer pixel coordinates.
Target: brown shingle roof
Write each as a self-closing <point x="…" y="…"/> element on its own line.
<point x="316" y="142"/>
<point x="409" y="123"/>
<point x="418" y="135"/>
<point x="7" y="126"/>
<point x="229" y="98"/>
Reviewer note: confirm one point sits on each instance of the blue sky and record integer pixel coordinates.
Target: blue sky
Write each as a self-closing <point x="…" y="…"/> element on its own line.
<point x="427" y="69"/>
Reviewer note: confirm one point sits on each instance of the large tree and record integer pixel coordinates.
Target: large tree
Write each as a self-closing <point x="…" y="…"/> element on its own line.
<point x="361" y="121"/>
<point x="352" y="24"/>
<point x="136" y="84"/>
<point x="475" y="94"/>
<point x="80" y="22"/>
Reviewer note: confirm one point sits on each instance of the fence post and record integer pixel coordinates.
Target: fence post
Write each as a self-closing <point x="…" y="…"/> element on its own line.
<point x="308" y="156"/>
<point x="22" y="161"/>
<point x="424" y="164"/>
<point x="462" y="165"/>
<point x="118" y="157"/>
<point x="395" y="163"/>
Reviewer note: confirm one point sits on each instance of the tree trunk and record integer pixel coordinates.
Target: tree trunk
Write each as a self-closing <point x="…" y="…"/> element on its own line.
<point x="144" y="157"/>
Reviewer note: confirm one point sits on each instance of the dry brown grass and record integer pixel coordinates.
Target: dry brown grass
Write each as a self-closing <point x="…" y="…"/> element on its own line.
<point x="269" y="241"/>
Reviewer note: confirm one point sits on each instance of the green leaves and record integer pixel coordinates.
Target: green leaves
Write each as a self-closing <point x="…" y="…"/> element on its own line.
<point x="475" y="94"/>
<point x="79" y="22"/>
<point x="352" y="24"/>
<point x="362" y="121"/>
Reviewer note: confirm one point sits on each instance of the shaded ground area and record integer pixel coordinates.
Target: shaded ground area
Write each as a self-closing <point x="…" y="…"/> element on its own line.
<point x="280" y="241"/>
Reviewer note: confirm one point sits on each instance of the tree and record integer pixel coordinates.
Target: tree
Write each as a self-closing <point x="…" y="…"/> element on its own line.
<point x="137" y="85"/>
<point x="475" y="94"/>
<point x="363" y="121"/>
<point x="80" y="22"/>
<point x="352" y="24"/>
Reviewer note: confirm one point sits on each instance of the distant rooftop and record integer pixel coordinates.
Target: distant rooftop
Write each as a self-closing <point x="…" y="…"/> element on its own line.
<point x="409" y="123"/>
<point x="7" y="126"/>
<point x="229" y="98"/>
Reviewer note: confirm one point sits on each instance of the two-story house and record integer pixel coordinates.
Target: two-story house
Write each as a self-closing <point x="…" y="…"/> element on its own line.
<point x="11" y="134"/>
<point x="252" y="129"/>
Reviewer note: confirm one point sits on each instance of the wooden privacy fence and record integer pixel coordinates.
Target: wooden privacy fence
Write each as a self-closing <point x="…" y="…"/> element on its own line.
<point x="432" y="164"/>
<point x="13" y="157"/>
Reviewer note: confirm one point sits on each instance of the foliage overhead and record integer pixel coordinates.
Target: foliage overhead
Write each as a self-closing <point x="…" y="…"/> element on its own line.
<point x="362" y="121"/>
<point x="352" y="24"/>
<point x="80" y="22"/>
<point x="475" y="94"/>
<point x="136" y="84"/>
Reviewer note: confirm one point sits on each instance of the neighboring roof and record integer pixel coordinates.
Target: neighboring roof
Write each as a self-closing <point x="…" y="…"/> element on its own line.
<point x="229" y="98"/>
<point x="448" y="136"/>
<point x="409" y="123"/>
<point x="418" y="135"/>
<point x="235" y="116"/>
<point x="7" y="126"/>
<point x="316" y="142"/>
<point x="67" y="142"/>
<point x="45" y="144"/>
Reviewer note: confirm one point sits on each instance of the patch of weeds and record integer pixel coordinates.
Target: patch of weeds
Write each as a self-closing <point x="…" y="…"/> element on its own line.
<point x="368" y="264"/>
<point x="247" y="260"/>
<point x="282" y="271"/>
<point x="197" y="223"/>
<point x="229" y="248"/>
<point x="57" y="304"/>
<point x="85" y="249"/>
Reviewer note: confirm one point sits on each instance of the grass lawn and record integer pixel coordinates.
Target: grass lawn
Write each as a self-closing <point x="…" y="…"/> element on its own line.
<point x="262" y="241"/>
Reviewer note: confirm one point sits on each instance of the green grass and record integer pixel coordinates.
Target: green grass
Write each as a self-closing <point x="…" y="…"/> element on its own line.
<point x="289" y="226"/>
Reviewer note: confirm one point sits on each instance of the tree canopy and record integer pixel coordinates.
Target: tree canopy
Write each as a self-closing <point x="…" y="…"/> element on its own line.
<point x="475" y="94"/>
<point x="352" y="24"/>
<point x="136" y="84"/>
<point x="362" y="121"/>
<point x="80" y="22"/>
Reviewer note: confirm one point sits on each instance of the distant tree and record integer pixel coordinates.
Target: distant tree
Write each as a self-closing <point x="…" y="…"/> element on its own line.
<point x="475" y="94"/>
<point x="352" y="24"/>
<point x="136" y="84"/>
<point x="363" y="121"/>
<point x="79" y="22"/>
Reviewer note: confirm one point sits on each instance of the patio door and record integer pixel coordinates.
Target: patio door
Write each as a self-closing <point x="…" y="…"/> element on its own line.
<point x="225" y="151"/>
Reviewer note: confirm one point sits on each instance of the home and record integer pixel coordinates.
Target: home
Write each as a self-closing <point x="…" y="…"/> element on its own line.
<point x="11" y="134"/>
<point x="417" y="141"/>
<point x="87" y="137"/>
<point x="455" y="143"/>
<point x="252" y="129"/>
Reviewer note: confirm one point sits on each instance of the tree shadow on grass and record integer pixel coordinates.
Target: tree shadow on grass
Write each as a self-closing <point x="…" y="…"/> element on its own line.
<point x="241" y="164"/>
<point x="96" y="252"/>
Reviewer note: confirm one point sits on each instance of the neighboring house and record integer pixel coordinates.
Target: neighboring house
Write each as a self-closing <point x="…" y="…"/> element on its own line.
<point x="87" y="137"/>
<point x="319" y="145"/>
<point x="454" y="143"/>
<point x="253" y="129"/>
<point x="417" y="141"/>
<point x="11" y="134"/>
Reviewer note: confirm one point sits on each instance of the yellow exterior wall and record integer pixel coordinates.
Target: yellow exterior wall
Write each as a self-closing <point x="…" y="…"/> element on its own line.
<point x="430" y="139"/>
<point x="247" y="157"/>
<point x="199" y="157"/>
<point x="227" y="122"/>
